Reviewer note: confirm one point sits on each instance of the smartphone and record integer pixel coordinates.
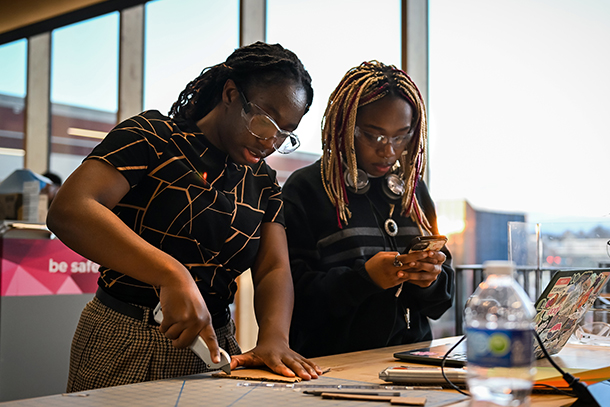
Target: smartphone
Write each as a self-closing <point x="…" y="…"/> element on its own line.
<point x="426" y="243"/>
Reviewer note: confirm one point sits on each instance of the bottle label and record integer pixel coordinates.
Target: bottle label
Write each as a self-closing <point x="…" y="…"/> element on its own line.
<point x="500" y="347"/>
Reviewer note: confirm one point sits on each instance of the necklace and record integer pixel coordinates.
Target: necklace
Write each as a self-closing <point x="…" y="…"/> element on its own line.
<point x="390" y="225"/>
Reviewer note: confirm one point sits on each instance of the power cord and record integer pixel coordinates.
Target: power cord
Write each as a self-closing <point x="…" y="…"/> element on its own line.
<point x="581" y="391"/>
<point x="453" y="386"/>
<point x="539" y="386"/>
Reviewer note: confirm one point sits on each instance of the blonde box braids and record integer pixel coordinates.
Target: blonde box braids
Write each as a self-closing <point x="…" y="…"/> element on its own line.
<point x="360" y="86"/>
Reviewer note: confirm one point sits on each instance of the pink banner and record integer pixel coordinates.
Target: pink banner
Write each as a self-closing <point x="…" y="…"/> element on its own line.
<point x="44" y="267"/>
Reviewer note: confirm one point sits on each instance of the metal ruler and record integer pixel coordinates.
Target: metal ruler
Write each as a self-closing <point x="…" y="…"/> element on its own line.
<point x="335" y="387"/>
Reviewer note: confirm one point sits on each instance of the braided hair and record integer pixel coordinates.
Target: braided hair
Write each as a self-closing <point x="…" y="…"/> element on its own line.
<point x="361" y="85"/>
<point x="258" y="63"/>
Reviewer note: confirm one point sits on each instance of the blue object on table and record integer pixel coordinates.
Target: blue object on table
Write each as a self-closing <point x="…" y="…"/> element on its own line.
<point x="13" y="184"/>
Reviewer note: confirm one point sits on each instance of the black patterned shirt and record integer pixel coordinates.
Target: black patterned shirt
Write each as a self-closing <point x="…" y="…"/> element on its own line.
<point x="190" y="200"/>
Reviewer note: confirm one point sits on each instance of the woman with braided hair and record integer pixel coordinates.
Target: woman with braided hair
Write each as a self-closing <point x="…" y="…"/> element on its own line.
<point x="174" y="209"/>
<point x="350" y="216"/>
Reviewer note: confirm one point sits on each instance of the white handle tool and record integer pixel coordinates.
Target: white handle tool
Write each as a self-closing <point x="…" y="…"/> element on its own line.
<point x="201" y="349"/>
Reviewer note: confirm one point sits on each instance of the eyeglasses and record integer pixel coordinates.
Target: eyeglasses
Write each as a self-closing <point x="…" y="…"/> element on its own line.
<point x="379" y="141"/>
<point x="263" y="127"/>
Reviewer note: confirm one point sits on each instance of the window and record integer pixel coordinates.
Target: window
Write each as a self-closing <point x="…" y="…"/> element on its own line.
<point x="84" y="89"/>
<point x="518" y="106"/>
<point x="330" y="37"/>
<point x="12" y="94"/>
<point x="182" y="38"/>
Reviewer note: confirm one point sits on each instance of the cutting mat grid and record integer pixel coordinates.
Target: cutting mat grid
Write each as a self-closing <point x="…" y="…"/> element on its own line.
<point x="201" y="390"/>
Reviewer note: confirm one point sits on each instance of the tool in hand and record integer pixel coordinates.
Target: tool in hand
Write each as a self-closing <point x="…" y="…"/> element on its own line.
<point x="201" y="349"/>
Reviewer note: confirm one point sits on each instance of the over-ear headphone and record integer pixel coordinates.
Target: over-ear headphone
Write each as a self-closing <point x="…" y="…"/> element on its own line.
<point x="362" y="182"/>
<point x="393" y="187"/>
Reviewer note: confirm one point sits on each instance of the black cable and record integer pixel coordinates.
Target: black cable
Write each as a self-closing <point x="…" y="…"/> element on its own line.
<point x="379" y="221"/>
<point x="546" y="354"/>
<point x="555" y="389"/>
<point x="443" y="367"/>
<point x="393" y="246"/>
<point x="579" y="388"/>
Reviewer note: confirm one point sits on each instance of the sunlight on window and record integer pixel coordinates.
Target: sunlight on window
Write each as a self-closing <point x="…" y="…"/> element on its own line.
<point x="12" y="69"/>
<point x="12" y="105"/>
<point x="182" y="38"/>
<point x="518" y="105"/>
<point x="84" y="88"/>
<point x="332" y="38"/>
<point x="84" y="64"/>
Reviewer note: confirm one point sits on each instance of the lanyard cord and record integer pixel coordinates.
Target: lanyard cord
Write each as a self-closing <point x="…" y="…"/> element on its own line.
<point x="379" y="221"/>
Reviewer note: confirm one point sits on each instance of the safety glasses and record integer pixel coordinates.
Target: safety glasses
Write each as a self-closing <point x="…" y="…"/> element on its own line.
<point x="263" y="127"/>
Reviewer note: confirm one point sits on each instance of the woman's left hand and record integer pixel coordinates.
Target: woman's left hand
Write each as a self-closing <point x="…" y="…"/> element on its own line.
<point x="273" y="301"/>
<point x="279" y="358"/>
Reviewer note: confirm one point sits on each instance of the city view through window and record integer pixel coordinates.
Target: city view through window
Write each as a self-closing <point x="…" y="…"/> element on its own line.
<point x="517" y="102"/>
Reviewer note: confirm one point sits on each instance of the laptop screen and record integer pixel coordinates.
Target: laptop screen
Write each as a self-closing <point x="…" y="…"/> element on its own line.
<point x="566" y="299"/>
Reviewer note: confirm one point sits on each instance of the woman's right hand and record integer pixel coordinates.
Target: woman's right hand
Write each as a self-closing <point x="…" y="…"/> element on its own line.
<point x="185" y="315"/>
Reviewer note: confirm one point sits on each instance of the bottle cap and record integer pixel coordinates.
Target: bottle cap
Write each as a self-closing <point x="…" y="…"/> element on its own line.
<point x="498" y="267"/>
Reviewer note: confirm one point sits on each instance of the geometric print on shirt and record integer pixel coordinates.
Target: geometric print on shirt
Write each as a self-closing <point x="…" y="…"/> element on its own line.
<point x="190" y="200"/>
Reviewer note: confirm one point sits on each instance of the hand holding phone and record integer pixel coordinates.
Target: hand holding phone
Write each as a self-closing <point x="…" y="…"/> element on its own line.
<point x="426" y="243"/>
<point x="390" y="269"/>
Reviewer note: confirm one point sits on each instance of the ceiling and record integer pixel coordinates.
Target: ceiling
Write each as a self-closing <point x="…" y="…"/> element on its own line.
<point x="19" y="14"/>
<point x="24" y="18"/>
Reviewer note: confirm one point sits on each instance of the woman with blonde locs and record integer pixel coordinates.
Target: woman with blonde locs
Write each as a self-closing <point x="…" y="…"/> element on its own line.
<point x="351" y="214"/>
<point x="174" y="208"/>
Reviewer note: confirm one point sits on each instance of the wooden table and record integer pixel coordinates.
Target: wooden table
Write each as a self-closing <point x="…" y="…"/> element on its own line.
<point x="366" y="365"/>
<point x="361" y="366"/>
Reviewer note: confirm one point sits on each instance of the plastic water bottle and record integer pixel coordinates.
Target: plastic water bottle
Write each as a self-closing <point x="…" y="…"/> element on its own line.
<point x="499" y="340"/>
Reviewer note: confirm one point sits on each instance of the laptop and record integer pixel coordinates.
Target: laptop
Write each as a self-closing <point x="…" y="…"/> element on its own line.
<point x="566" y="298"/>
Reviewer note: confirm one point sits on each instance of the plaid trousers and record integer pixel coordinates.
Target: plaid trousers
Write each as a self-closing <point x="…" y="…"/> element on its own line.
<point x="112" y="349"/>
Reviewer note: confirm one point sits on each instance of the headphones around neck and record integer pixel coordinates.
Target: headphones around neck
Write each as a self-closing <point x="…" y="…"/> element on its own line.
<point x="393" y="187"/>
